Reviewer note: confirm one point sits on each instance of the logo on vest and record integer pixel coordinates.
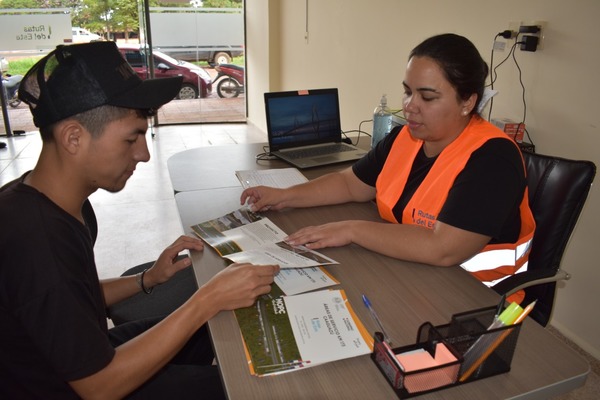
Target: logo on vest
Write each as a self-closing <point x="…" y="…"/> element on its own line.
<point x="423" y="218"/>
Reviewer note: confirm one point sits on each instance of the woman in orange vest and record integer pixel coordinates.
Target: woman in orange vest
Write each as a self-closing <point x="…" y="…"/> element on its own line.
<point x="450" y="185"/>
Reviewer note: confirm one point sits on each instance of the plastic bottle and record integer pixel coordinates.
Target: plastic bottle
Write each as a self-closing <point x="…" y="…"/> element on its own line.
<point x="382" y="121"/>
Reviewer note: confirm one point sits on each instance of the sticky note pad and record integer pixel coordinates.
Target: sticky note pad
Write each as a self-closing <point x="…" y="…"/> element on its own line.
<point x="416" y="360"/>
<point x="443" y="355"/>
<point x="420" y="359"/>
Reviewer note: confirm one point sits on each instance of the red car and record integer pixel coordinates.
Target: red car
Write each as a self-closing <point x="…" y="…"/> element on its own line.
<point x="196" y="81"/>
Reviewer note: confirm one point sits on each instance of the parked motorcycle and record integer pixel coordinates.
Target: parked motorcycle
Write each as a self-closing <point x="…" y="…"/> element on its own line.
<point x="231" y="80"/>
<point x="10" y="83"/>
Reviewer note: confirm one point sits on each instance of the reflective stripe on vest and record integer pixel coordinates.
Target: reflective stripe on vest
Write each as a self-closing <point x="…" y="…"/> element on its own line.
<point x="494" y="281"/>
<point x="496" y="261"/>
<point x="491" y="259"/>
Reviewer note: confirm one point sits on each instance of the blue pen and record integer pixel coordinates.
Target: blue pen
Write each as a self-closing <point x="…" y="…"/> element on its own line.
<point x="376" y="318"/>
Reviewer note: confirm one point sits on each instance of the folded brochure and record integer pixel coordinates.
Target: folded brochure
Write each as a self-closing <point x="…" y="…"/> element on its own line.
<point x="245" y="236"/>
<point x="299" y="280"/>
<point x="287" y="333"/>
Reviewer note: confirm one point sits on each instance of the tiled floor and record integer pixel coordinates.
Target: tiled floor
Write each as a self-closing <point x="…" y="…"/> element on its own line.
<point x="141" y="220"/>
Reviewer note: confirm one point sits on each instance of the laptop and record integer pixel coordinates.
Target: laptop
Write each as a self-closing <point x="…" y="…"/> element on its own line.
<point x="304" y="128"/>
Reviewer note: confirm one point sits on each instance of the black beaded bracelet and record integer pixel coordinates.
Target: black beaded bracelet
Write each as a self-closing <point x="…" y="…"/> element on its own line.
<point x="144" y="288"/>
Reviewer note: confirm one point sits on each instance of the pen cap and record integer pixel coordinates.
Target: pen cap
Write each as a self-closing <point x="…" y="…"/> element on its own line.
<point x="510" y="314"/>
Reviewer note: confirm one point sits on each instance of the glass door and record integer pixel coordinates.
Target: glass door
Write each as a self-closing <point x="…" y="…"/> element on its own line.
<point x="205" y="46"/>
<point x="26" y="35"/>
<point x="193" y="41"/>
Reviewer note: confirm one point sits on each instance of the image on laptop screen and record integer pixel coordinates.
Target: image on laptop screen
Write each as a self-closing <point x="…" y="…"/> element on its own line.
<point x="300" y="118"/>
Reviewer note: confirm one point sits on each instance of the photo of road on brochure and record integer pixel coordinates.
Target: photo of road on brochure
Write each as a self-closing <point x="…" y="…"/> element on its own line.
<point x="268" y="336"/>
<point x="286" y="333"/>
<point x="245" y="236"/>
<point x="212" y="231"/>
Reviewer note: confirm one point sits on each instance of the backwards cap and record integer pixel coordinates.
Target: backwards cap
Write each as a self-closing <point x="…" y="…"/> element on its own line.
<point x="77" y="78"/>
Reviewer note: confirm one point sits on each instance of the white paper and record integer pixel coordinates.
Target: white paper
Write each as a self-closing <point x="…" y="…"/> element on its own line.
<point x="278" y="178"/>
<point x="282" y="254"/>
<point x="300" y="280"/>
<point x="256" y="234"/>
<point x="324" y="327"/>
<point x="245" y="236"/>
<point x="487" y="96"/>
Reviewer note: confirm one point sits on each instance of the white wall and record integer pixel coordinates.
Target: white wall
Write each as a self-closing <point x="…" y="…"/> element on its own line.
<point x="258" y="68"/>
<point x="361" y="48"/>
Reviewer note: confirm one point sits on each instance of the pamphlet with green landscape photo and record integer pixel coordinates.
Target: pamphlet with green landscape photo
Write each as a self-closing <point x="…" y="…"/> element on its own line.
<point x="286" y="333"/>
<point x="245" y="236"/>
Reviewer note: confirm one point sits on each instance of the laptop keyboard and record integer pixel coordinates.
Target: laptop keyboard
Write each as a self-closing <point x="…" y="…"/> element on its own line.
<point x="318" y="151"/>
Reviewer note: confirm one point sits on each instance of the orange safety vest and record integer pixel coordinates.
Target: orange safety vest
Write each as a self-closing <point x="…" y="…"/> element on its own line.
<point x="496" y="261"/>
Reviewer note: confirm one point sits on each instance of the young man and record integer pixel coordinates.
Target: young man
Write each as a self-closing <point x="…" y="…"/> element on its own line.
<point x="92" y="112"/>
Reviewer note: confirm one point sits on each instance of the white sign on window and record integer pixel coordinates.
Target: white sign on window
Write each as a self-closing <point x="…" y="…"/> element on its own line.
<point x="34" y="31"/>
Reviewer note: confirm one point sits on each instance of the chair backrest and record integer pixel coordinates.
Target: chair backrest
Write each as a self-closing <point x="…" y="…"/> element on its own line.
<point x="558" y="189"/>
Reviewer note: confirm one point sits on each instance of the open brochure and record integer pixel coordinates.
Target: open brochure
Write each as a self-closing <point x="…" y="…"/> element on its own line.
<point x="278" y="178"/>
<point x="244" y="236"/>
<point x="299" y="280"/>
<point x="286" y="333"/>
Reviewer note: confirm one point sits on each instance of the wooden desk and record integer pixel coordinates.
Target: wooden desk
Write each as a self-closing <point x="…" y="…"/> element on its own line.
<point x="542" y="366"/>
<point x="214" y="166"/>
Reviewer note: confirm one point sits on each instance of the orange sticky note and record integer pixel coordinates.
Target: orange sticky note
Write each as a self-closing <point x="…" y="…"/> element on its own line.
<point x="443" y="354"/>
<point x="427" y="380"/>
<point x="416" y="360"/>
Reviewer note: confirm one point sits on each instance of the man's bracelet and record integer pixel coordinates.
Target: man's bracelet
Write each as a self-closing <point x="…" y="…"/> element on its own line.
<point x="140" y="281"/>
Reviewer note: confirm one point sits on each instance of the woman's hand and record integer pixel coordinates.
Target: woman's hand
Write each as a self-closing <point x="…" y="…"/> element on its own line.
<point x="334" y="234"/>
<point x="263" y="198"/>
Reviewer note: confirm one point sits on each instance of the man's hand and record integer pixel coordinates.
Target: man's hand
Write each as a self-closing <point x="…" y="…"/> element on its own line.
<point x="239" y="285"/>
<point x="167" y="263"/>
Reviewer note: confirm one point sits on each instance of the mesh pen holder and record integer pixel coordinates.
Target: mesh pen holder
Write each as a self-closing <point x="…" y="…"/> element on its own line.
<point x="478" y="353"/>
<point x="485" y="352"/>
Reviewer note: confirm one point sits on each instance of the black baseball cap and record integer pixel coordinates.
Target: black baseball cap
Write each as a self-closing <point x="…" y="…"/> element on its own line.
<point x="77" y="78"/>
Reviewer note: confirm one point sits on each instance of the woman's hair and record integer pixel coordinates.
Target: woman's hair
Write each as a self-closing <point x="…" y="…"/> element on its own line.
<point x="96" y="119"/>
<point x="461" y="62"/>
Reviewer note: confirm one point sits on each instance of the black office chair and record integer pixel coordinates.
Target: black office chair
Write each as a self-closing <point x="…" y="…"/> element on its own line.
<point x="163" y="300"/>
<point x="558" y="189"/>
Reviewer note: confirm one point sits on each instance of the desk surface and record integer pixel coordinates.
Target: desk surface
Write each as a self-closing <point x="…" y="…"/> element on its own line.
<point x="214" y="166"/>
<point x="542" y="366"/>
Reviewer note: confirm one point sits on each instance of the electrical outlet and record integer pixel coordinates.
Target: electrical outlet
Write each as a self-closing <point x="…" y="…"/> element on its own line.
<point x="542" y="32"/>
<point x="515" y="26"/>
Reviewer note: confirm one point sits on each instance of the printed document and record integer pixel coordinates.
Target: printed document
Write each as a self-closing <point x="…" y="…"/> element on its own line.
<point x="299" y="280"/>
<point x="286" y="333"/>
<point x="244" y="236"/>
<point x="278" y="178"/>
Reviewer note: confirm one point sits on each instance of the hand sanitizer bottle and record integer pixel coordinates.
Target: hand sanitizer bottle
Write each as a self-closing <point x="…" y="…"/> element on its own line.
<point x="382" y="121"/>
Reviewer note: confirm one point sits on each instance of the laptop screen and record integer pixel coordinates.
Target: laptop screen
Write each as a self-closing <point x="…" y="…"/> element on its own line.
<point x="303" y="117"/>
